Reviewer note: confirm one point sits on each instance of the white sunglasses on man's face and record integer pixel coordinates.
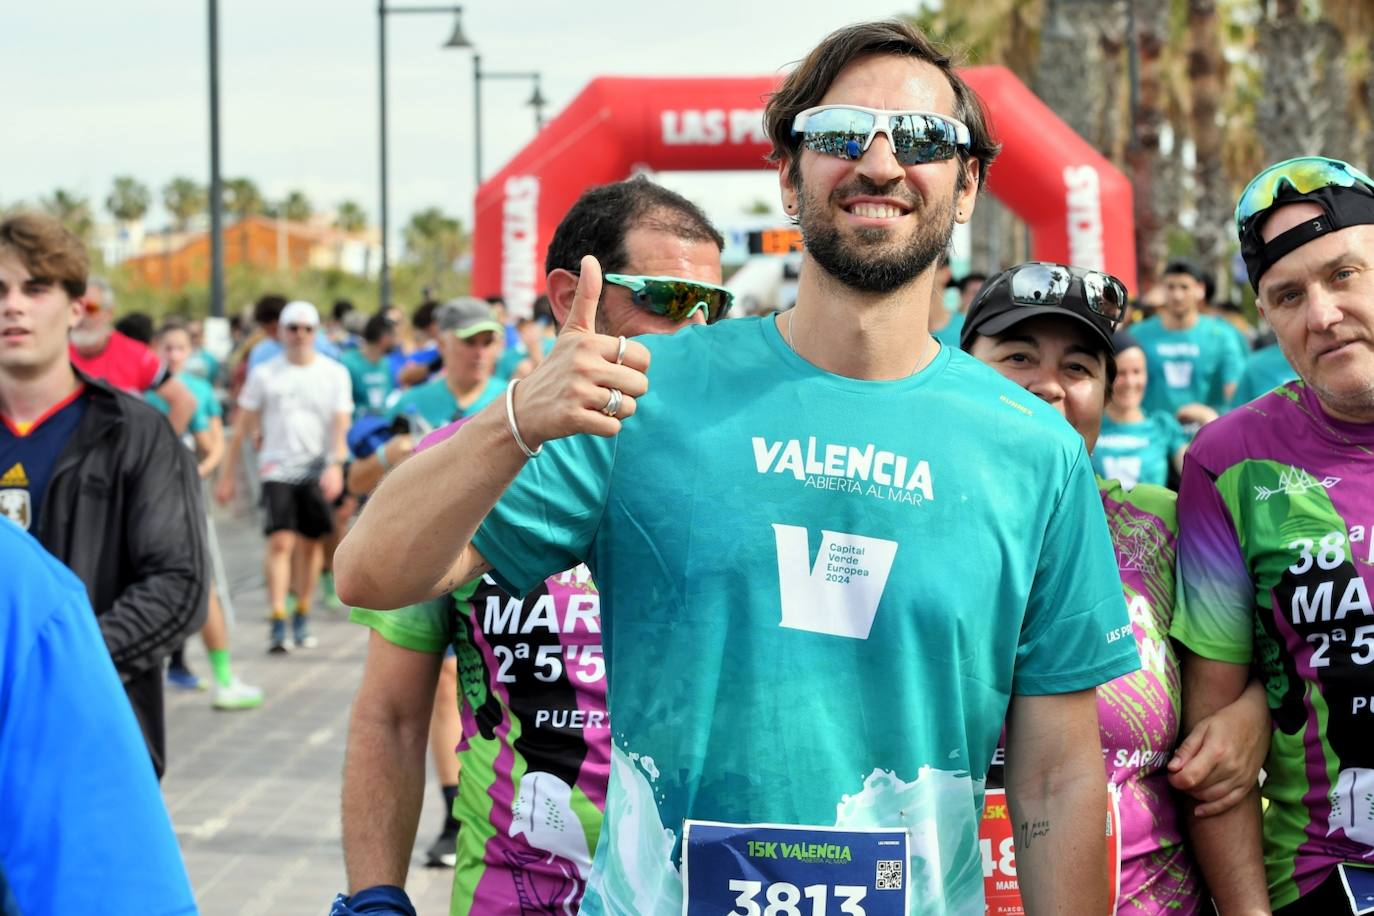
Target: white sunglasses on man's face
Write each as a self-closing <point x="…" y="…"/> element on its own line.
<point x="847" y="131"/>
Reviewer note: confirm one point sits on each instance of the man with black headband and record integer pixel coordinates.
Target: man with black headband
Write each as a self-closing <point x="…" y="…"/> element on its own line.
<point x="1275" y="513"/>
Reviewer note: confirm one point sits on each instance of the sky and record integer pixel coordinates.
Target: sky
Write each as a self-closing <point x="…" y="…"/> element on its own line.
<point x="99" y="89"/>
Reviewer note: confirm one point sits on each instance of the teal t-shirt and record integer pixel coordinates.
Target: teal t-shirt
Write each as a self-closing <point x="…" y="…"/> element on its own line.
<point x="435" y="404"/>
<point x="1265" y="369"/>
<point x="949" y="334"/>
<point x="207" y="405"/>
<point x="1133" y="453"/>
<point x="1189" y="367"/>
<point x="818" y="595"/>
<point x="371" y="382"/>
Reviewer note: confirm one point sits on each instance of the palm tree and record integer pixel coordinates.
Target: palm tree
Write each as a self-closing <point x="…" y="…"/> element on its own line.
<point x="184" y="199"/>
<point x="242" y="198"/>
<point x="72" y="210"/>
<point x="296" y="207"/>
<point x="1302" y="109"/>
<point x="1212" y="192"/>
<point x="351" y="217"/>
<point x="129" y="199"/>
<point x="436" y="240"/>
<point x="1073" y="74"/>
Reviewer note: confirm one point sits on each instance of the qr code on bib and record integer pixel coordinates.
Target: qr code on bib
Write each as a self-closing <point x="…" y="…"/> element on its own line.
<point x="889" y="875"/>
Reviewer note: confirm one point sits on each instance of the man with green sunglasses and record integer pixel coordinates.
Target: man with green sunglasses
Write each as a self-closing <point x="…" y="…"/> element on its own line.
<point x="529" y="827"/>
<point x="1276" y="517"/>
<point x="817" y="611"/>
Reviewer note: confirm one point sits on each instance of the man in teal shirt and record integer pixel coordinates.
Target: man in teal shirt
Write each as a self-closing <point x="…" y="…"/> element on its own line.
<point x="816" y="611"/>
<point x="369" y="368"/>
<point x="1194" y="360"/>
<point x="468" y="343"/>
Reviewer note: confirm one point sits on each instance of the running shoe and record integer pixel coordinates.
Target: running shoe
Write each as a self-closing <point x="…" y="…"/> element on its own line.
<point x="443" y="852"/>
<point x="329" y="595"/>
<point x="300" y="632"/>
<point x="237" y="695"/>
<point x="182" y="678"/>
<point x="276" y="640"/>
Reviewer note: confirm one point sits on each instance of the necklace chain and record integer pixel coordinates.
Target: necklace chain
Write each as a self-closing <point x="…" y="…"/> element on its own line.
<point x="930" y="342"/>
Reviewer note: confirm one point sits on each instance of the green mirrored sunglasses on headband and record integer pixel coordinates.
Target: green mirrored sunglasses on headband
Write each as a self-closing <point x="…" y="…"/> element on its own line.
<point x="675" y="298"/>
<point x="1303" y="174"/>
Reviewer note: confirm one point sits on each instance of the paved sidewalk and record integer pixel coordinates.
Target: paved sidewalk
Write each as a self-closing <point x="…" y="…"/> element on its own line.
<point x="254" y="795"/>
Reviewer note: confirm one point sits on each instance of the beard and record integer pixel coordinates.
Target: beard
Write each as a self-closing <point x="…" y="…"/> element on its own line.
<point x="872" y="261"/>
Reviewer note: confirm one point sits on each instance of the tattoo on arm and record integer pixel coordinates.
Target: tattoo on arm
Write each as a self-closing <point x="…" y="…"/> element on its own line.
<point x="1030" y="831"/>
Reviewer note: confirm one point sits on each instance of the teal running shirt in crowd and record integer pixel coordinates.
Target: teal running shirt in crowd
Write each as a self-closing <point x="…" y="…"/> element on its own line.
<point x="815" y="605"/>
<point x="949" y="334"/>
<point x="1189" y="367"/>
<point x="1276" y="563"/>
<point x="433" y="402"/>
<point x="84" y="826"/>
<point x="207" y="404"/>
<point x="1266" y="369"/>
<point x="371" y="382"/>
<point x="1135" y="453"/>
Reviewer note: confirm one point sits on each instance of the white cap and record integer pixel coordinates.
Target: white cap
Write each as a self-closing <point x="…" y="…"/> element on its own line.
<point x="299" y="312"/>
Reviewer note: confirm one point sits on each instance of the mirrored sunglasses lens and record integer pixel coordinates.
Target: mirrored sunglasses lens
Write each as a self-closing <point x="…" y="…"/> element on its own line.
<point x="1039" y="284"/>
<point x="920" y="138"/>
<point x="1302" y="176"/>
<point x="838" y="132"/>
<point x="1105" y="296"/>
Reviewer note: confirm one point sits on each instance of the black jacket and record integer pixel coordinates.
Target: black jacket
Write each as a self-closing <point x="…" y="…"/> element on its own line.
<point x="123" y="511"/>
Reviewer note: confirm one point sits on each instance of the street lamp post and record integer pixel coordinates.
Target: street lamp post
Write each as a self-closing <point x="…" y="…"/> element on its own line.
<point x="457" y="40"/>
<point x="536" y="101"/>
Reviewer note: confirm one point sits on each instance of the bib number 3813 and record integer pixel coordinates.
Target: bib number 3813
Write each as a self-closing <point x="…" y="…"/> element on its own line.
<point x="780" y="870"/>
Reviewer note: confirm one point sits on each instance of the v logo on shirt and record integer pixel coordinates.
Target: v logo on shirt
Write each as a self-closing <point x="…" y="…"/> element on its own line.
<point x="838" y="595"/>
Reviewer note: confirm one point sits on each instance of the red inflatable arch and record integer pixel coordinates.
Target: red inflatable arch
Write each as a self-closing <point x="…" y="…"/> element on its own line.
<point x="1076" y="203"/>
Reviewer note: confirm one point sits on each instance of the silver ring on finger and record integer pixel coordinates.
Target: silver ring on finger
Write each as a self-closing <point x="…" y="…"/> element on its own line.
<point x="620" y="352"/>
<point x="613" y="403"/>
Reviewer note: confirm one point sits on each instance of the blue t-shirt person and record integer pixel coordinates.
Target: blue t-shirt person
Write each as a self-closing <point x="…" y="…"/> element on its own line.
<point x="1192" y="366"/>
<point x="815" y="606"/>
<point x="1266" y="369"/>
<point x="372" y="382"/>
<point x="1140" y="452"/>
<point x="85" y="829"/>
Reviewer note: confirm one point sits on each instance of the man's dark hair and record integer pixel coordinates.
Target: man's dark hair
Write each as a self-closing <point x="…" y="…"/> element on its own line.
<point x="424" y="315"/>
<point x="1191" y="268"/>
<point x="972" y="277"/>
<point x="598" y="223"/>
<point x="377" y="327"/>
<point x="267" y="310"/>
<point x="495" y="301"/>
<point x="136" y="325"/>
<point x="341" y="308"/>
<point x="543" y="309"/>
<point x="809" y="82"/>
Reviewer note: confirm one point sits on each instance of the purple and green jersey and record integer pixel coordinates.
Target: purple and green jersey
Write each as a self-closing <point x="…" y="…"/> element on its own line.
<point x="535" y="753"/>
<point x="1276" y="562"/>
<point x="1139" y="712"/>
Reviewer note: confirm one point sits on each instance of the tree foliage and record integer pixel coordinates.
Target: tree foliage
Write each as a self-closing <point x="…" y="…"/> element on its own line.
<point x="72" y="210"/>
<point x="184" y="199"/>
<point x="129" y="199"/>
<point x="434" y="240"/>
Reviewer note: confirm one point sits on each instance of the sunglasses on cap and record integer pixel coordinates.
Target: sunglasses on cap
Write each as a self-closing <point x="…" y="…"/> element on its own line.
<point x="847" y="131"/>
<point x="1043" y="283"/>
<point x="675" y="298"/>
<point x="1304" y="175"/>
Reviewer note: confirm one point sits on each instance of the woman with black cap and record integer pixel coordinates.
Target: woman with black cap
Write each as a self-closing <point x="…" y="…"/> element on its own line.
<point x="1050" y="328"/>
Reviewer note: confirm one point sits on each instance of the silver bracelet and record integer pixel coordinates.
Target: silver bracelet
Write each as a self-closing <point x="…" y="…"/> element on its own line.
<point x="510" y="421"/>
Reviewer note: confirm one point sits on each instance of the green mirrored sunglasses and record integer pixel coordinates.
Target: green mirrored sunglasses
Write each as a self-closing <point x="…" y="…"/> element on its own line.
<point x="674" y="297"/>
<point x="1303" y="174"/>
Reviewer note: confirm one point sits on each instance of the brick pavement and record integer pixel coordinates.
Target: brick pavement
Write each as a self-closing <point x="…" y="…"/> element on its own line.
<point x="254" y="795"/>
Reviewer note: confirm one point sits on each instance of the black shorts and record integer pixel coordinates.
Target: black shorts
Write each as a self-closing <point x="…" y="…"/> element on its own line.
<point x="298" y="507"/>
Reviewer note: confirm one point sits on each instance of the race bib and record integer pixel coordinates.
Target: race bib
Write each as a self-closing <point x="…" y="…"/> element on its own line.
<point x="997" y="839"/>
<point x="778" y="870"/>
<point x="1359" y="888"/>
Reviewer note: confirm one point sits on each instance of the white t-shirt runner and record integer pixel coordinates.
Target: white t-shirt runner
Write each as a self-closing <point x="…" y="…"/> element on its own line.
<point x="298" y="405"/>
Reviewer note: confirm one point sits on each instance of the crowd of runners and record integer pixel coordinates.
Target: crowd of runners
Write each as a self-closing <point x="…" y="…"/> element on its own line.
<point x="769" y="615"/>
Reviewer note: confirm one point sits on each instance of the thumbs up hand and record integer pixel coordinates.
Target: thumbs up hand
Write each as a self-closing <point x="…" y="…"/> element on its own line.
<point x="576" y="386"/>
